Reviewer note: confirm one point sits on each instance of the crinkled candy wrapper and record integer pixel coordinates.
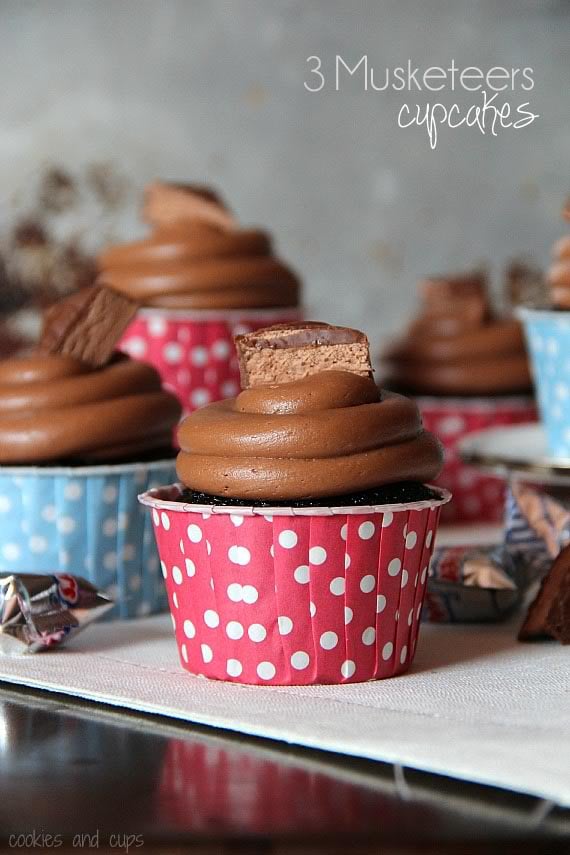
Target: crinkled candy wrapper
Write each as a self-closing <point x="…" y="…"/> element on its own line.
<point x="281" y="596"/>
<point x="194" y="351"/>
<point x="477" y="496"/>
<point x="469" y="584"/>
<point x="41" y="611"/>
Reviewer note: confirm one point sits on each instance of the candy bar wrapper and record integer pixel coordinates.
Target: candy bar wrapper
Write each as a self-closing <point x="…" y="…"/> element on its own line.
<point x="548" y="338"/>
<point x="477" y="497"/>
<point x="194" y="352"/>
<point x="85" y="520"/>
<point x="472" y="584"/>
<point x="281" y="596"/>
<point x="38" y="612"/>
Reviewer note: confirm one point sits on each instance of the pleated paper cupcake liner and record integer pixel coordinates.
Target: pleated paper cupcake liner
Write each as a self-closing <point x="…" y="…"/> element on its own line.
<point x="477" y="497"/>
<point x="548" y="338"/>
<point x="85" y="521"/>
<point x="194" y="352"/>
<point x="279" y="596"/>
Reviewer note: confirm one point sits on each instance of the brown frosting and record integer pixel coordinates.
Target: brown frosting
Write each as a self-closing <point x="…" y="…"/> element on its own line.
<point x="457" y="346"/>
<point x="197" y="258"/>
<point x="324" y="435"/>
<point x="559" y="273"/>
<point x="55" y="408"/>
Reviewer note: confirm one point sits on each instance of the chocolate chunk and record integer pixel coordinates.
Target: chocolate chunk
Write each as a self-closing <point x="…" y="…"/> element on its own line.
<point x="87" y="325"/>
<point x="287" y="352"/>
<point x="549" y="614"/>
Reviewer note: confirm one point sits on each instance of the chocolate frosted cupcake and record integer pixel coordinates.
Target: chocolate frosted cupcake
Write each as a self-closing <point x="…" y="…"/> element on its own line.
<point x="296" y="548"/>
<point x="199" y="278"/>
<point x="468" y="369"/>
<point x="77" y="443"/>
<point x="548" y="334"/>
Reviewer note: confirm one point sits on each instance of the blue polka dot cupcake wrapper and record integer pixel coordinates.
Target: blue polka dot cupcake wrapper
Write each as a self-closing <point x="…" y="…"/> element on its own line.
<point x="548" y="339"/>
<point x="86" y="521"/>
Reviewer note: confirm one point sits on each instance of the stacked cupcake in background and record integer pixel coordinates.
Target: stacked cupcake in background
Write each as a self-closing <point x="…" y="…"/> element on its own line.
<point x="82" y="432"/>
<point x="296" y="550"/>
<point x="199" y="279"/>
<point x="468" y="369"/>
<point x="548" y="335"/>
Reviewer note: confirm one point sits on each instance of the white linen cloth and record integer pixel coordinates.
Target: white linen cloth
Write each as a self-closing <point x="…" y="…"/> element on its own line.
<point x="477" y="704"/>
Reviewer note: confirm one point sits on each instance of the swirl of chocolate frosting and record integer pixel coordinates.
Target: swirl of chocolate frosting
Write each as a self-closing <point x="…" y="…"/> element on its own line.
<point x="559" y="272"/>
<point x="197" y="258"/>
<point x="457" y="346"/>
<point x="55" y="408"/>
<point x="327" y="434"/>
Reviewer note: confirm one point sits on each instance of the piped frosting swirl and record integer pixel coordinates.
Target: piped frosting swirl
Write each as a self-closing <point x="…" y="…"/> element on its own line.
<point x="54" y="408"/>
<point x="457" y="345"/>
<point x="197" y="257"/>
<point x="327" y="434"/>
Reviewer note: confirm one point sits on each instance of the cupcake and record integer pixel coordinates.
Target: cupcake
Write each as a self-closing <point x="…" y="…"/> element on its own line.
<point x="467" y="367"/>
<point x="77" y="444"/>
<point x="296" y="547"/>
<point x="548" y="335"/>
<point x="200" y="278"/>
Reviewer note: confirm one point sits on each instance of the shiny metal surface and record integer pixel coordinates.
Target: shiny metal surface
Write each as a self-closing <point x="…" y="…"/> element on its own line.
<point x="70" y="769"/>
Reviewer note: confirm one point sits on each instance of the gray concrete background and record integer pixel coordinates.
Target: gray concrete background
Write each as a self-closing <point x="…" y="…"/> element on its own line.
<point x="212" y="90"/>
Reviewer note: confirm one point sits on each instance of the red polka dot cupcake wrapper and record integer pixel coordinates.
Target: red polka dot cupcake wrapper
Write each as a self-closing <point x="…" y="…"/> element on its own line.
<point x="477" y="497"/>
<point x="194" y="352"/>
<point x="295" y="596"/>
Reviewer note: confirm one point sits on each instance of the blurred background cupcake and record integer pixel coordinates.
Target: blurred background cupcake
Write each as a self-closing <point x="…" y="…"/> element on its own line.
<point x="200" y="279"/>
<point x="76" y="447"/>
<point x="547" y="330"/>
<point x="467" y="366"/>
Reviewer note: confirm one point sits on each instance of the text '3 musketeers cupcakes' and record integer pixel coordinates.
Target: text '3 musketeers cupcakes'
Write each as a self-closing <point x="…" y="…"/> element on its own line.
<point x="296" y="548"/>
<point x="199" y="278"/>
<point x="467" y="367"/>
<point x="82" y="431"/>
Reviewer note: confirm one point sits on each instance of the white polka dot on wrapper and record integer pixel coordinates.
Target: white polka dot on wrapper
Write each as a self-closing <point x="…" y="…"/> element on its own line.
<point x="344" y="531"/>
<point x="221" y="349"/>
<point x="73" y="491"/>
<point x="387" y="651"/>
<point x="404" y="578"/>
<point x="367" y="584"/>
<point x="328" y="640"/>
<point x="190" y="567"/>
<point x="300" y="660"/>
<point x="199" y="356"/>
<point x="109" y="560"/>
<point x="207" y="653"/>
<point x="234" y="630"/>
<point x="184" y="653"/>
<point x="302" y="574"/>
<point x="429" y="538"/>
<point x="38" y="544"/>
<point x="234" y="592"/>
<point x="175" y="600"/>
<point x="110" y="527"/>
<point x="249" y="594"/>
<point x="194" y="533"/>
<point x="189" y="629"/>
<point x="317" y="555"/>
<point x="348" y="615"/>
<point x="369" y="636"/>
<point x="411" y="539"/>
<point x="236" y="520"/>
<point x="366" y="530"/>
<point x="348" y="669"/>
<point x="177" y="575"/>
<point x="239" y="555"/>
<point x="346" y="561"/>
<point x="11" y="551"/>
<point x="312" y="609"/>
<point x="424" y="573"/>
<point x="135" y="346"/>
<point x="157" y="326"/>
<point x="266" y="671"/>
<point x="165" y="520"/>
<point x="257" y="632"/>
<point x="285" y="624"/>
<point x="234" y="668"/>
<point x="394" y="567"/>
<point x="49" y="513"/>
<point x="200" y="397"/>
<point x="65" y="525"/>
<point x="172" y="352"/>
<point x="337" y="586"/>
<point x="229" y="388"/>
<point x="287" y="539"/>
<point x="403" y="654"/>
<point x="380" y="603"/>
<point x="5" y="504"/>
<point x="387" y="518"/>
<point x="164" y="569"/>
<point x="211" y="618"/>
